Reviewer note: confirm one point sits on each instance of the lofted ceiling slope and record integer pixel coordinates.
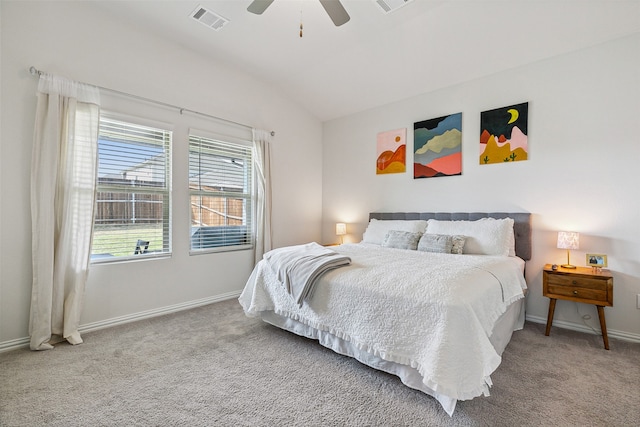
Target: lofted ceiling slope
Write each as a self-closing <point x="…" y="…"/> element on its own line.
<point x="377" y="58"/>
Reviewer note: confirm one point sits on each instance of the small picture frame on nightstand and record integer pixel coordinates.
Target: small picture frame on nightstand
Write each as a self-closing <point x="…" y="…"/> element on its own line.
<point x="597" y="261"/>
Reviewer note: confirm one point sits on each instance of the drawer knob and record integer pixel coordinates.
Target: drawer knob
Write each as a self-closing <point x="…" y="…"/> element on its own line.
<point x="575" y="292"/>
<point x="574" y="282"/>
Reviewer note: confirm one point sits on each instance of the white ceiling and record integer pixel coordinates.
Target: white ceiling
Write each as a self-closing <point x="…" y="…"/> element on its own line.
<point x="377" y="58"/>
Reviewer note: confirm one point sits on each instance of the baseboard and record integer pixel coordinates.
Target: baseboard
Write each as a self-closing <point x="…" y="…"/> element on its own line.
<point x="13" y="344"/>
<point x="94" y="326"/>
<point x="625" y="336"/>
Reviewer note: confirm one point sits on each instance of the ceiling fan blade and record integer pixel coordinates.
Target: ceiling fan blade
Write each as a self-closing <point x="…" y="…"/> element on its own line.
<point x="259" y="6"/>
<point x="336" y="11"/>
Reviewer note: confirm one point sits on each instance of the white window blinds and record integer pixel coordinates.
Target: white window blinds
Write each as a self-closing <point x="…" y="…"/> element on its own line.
<point x="133" y="207"/>
<point x="220" y="175"/>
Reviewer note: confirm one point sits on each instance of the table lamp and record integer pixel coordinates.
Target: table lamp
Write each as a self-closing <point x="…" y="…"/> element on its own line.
<point x="341" y="230"/>
<point x="568" y="240"/>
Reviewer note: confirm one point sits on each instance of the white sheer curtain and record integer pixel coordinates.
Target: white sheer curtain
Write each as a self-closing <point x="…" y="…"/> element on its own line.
<point x="262" y="192"/>
<point x="63" y="175"/>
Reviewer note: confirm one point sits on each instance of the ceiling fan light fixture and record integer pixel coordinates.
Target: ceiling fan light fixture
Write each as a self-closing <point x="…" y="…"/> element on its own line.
<point x="334" y="9"/>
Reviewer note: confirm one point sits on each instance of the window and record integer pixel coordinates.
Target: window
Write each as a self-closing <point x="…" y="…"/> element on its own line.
<point x="133" y="204"/>
<point x="220" y="175"/>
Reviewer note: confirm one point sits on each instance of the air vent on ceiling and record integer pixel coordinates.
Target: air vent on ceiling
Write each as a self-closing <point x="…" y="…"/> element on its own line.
<point x="389" y="6"/>
<point x="209" y="18"/>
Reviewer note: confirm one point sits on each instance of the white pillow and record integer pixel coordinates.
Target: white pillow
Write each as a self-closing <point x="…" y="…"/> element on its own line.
<point x="512" y="241"/>
<point x="486" y="236"/>
<point x="377" y="229"/>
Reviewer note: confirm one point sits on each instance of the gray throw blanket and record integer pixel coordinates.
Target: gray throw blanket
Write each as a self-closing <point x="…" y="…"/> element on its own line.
<point x="299" y="267"/>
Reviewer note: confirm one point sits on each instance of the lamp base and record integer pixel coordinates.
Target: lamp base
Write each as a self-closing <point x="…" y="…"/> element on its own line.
<point x="568" y="266"/>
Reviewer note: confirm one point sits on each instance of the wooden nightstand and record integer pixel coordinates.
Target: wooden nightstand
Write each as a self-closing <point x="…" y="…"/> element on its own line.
<point x="581" y="284"/>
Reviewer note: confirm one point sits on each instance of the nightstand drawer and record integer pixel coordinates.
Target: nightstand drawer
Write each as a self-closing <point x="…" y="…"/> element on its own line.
<point x="581" y="282"/>
<point x="577" y="292"/>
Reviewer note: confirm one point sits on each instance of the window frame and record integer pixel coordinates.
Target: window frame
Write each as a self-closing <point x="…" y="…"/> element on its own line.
<point x="166" y="191"/>
<point x="247" y="195"/>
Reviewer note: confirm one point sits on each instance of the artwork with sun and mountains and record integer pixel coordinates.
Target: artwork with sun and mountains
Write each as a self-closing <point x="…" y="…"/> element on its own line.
<point x="503" y="134"/>
<point x="392" y="152"/>
<point x="437" y="147"/>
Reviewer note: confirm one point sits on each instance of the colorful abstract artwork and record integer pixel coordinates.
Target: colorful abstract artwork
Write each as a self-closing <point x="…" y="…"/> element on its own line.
<point x="392" y="152"/>
<point x="438" y="147"/>
<point x="503" y="134"/>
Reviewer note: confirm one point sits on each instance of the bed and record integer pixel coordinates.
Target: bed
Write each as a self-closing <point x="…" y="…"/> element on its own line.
<point x="412" y="301"/>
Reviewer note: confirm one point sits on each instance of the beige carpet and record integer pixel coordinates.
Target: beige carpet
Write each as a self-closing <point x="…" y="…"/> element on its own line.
<point x="212" y="366"/>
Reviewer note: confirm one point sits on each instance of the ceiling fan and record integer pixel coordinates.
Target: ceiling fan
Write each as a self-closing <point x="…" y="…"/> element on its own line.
<point x="334" y="9"/>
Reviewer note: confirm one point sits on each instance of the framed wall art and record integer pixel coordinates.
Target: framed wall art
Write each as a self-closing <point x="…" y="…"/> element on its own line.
<point x="437" y="147"/>
<point x="503" y="134"/>
<point x="392" y="152"/>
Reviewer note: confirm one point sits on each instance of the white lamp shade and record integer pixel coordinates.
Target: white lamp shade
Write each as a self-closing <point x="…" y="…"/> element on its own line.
<point x="341" y="229"/>
<point x="568" y="240"/>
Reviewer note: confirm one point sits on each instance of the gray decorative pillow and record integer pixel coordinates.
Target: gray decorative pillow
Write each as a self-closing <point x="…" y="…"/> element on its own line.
<point x="441" y="243"/>
<point x="401" y="240"/>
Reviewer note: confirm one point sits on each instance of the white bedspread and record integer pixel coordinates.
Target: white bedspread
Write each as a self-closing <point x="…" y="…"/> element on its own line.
<point x="433" y="312"/>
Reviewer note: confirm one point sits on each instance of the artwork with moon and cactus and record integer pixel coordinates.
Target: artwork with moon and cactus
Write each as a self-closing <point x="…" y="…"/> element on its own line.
<point x="392" y="152"/>
<point x="437" y="147"/>
<point x="503" y="134"/>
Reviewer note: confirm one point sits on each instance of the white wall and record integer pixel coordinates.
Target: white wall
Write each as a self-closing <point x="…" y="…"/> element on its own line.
<point x="582" y="173"/>
<point x="76" y="40"/>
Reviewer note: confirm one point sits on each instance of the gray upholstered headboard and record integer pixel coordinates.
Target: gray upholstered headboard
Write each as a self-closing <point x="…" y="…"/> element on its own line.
<point x="521" y="226"/>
